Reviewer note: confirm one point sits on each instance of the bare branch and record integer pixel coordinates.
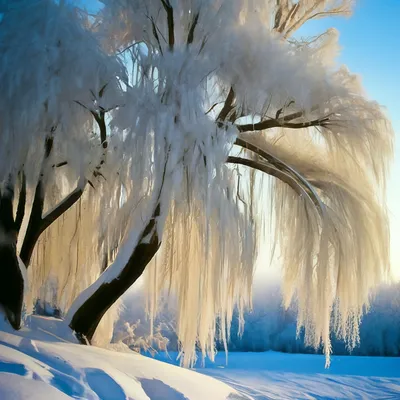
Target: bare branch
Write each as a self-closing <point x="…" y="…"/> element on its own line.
<point x="192" y="29"/>
<point x="228" y="106"/>
<point x="282" y="123"/>
<point x="281" y="26"/>
<point x="278" y="18"/>
<point x="61" y="208"/>
<point x="170" y="19"/>
<point x="270" y="170"/>
<point x="156" y="34"/>
<point x="211" y="108"/>
<point x="280" y="111"/>
<point x="312" y="12"/>
<point x="99" y="118"/>
<point x="61" y="164"/>
<point x="21" y="203"/>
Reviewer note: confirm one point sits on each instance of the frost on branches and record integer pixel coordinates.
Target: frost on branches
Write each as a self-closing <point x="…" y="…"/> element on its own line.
<point x="170" y="136"/>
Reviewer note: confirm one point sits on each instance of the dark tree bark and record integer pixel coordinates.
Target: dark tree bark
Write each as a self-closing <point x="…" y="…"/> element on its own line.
<point x="88" y="316"/>
<point x="33" y="230"/>
<point x="11" y="279"/>
<point x="38" y="223"/>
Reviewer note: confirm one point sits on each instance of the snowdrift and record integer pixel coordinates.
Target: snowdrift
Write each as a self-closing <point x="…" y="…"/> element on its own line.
<point x="44" y="362"/>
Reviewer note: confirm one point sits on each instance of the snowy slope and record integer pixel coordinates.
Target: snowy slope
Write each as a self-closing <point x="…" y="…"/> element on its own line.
<point x="272" y="375"/>
<point x="42" y="362"/>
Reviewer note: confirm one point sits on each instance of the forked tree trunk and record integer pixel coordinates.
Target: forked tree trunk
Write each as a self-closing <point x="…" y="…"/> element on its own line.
<point x="11" y="279"/>
<point x="85" y="320"/>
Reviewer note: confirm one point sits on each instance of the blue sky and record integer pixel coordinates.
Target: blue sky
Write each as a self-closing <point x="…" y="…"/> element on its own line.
<point x="370" y="48"/>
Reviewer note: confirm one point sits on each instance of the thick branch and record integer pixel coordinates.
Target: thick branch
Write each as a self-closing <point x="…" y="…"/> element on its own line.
<point x="106" y="291"/>
<point x="62" y="207"/>
<point x="86" y="319"/>
<point x="35" y="219"/>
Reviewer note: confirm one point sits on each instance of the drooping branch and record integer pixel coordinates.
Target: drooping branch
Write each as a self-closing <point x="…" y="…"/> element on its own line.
<point x="273" y="171"/>
<point x="283" y="167"/>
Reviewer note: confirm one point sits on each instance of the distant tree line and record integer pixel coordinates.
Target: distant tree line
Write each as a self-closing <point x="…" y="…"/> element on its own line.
<point x="270" y="327"/>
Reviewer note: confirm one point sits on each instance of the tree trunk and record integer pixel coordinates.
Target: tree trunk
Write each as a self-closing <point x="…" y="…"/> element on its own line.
<point x="88" y="316"/>
<point x="11" y="279"/>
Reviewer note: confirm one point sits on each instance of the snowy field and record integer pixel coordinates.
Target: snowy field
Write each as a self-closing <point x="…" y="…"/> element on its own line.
<point x="43" y="362"/>
<point x="273" y="375"/>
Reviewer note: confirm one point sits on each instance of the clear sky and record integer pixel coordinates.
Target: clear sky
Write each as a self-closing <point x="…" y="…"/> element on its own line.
<point x="370" y="47"/>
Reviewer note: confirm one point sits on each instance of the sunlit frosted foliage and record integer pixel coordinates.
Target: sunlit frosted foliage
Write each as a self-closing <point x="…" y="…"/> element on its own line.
<point x="204" y="76"/>
<point x="207" y="258"/>
<point x="49" y="65"/>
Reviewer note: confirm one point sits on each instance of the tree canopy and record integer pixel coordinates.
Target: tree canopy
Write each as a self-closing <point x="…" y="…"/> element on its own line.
<point x="172" y="136"/>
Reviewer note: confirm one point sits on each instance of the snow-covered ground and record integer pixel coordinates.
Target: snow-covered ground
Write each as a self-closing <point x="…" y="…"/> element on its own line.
<point x="272" y="375"/>
<point x="43" y="362"/>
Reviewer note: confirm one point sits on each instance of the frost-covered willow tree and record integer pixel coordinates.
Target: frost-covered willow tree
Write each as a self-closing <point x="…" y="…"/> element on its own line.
<point x="169" y="136"/>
